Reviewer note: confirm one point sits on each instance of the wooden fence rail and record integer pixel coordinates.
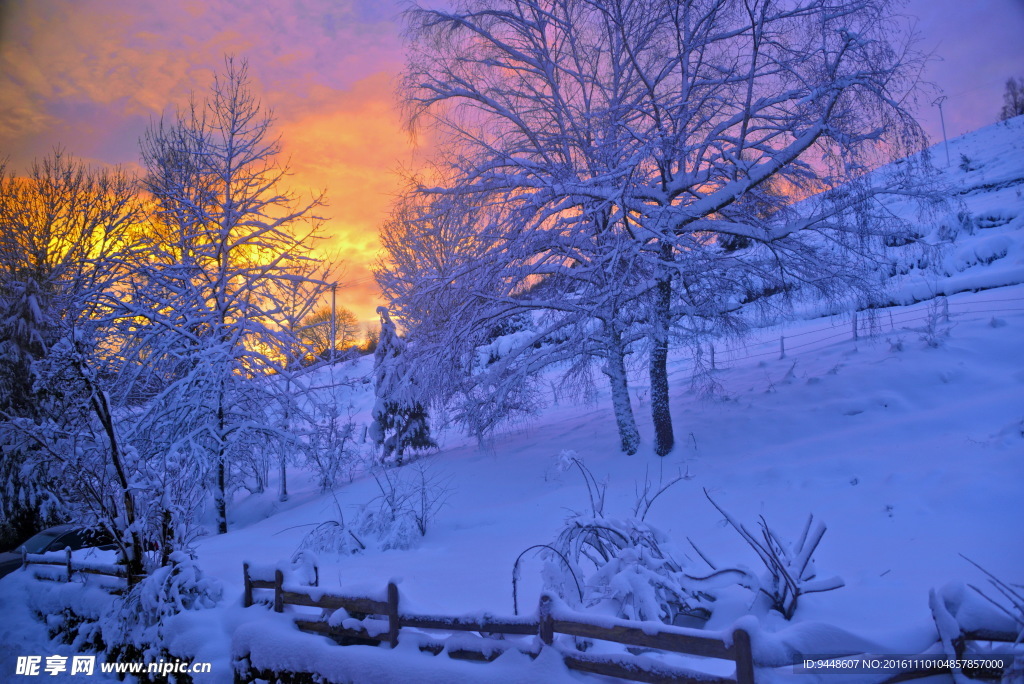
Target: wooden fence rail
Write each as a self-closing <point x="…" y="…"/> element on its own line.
<point x="71" y="567"/>
<point x="374" y="621"/>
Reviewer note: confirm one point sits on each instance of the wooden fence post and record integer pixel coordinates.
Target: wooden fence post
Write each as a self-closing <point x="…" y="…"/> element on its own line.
<point x="67" y="559"/>
<point x="782" y="346"/>
<point x="278" y="591"/>
<point x="247" y="583"/>
<point x="394" y="621"/>
<point x="744" y="658"/>
<point x="854" y="319"/>
<point x="316" y="576"/>
<point x="547" y="626"/>
<point x="712" y="356"/>
<point x="24" y="558"/>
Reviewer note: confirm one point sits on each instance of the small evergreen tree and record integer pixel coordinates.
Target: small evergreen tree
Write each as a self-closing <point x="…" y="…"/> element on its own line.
<point x="399" y="415"/>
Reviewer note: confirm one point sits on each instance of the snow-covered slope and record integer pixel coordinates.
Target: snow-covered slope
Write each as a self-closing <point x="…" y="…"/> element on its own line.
<point x="906" y="439"/>
<point x="986" y="176"/>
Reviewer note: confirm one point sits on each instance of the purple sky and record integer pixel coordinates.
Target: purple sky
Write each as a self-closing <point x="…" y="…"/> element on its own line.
<point x="91" y="74"/>
<point x="977" y="45"/>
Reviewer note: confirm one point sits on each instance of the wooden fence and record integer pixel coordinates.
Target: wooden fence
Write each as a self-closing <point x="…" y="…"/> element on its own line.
<point x="381" y="621"/>
<point x="70" y="567"/>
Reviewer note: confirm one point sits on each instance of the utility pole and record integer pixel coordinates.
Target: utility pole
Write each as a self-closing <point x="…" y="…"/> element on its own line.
<point x="938" y="102"/>
<point x="334" y="320"/>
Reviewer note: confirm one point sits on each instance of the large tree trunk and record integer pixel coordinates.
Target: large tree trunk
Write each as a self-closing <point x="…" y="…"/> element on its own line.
<point x="615" y="369"/>
<point x="664" y="439"/>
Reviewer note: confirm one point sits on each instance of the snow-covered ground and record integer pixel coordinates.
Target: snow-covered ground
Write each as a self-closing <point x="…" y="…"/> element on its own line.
<point x="908" y="442"/>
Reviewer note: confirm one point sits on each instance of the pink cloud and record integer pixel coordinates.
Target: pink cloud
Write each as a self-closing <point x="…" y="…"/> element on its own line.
<point x="92" y="74"/>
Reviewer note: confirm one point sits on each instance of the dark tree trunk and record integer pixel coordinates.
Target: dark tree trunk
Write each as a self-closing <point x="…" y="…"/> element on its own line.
<point x="615" y="369"/>
<point x="221" y="494"/>
<point x="664" y="439"/>
<point x="126" y="534"/>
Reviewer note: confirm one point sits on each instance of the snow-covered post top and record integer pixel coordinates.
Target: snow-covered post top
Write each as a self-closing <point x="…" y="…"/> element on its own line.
<point x="546" y="623"/>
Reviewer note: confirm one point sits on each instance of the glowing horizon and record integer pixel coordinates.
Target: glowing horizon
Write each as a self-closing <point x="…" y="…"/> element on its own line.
<point x="92" y="75"/>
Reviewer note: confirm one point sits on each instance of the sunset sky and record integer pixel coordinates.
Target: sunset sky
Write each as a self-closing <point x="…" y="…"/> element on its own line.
<point x="91" y="75"/>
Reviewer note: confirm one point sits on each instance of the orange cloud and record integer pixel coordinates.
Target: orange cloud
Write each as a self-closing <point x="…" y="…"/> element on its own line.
<point x="91" y="75"/>
<point x="350" y="143"/>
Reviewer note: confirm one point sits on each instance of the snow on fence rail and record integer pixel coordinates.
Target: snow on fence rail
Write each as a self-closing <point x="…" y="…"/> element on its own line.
<point x="351" y="620"/>
<point x="69" y="566"/>
<point x="370" y="621"/>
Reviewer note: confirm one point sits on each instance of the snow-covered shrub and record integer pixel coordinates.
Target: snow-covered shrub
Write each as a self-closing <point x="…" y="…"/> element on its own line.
<point x="936" y="323"/>
<point x="628" y="568"/>
<point x="331" y="536"/>
<point x="1006" y="598"/>
<point x="139" y="627"/>
<point x="134" y="628"/>
<point x="72" y="612"/>
<point x="173" y="589"/>
<point x="622" y="564"/>
<point x="332" y="449"/>
<point x="994" y="617"/>
<point x="950" y="228"/>
<point x="409" y="500"/>
<point x="790" y="571"/>
<point x="703" y="382"/>
<point x="495" y="395"/>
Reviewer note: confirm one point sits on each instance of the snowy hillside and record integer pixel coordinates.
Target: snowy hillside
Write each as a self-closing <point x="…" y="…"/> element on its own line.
<point x="901" y="429"/>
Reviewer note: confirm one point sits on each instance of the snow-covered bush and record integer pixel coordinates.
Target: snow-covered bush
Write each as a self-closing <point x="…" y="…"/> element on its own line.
<point x="630" y="570"/>
<point x="409" y="500"/>
<point x="627" y="566"/>
<point x="622" y="564"/>
<point x="72" y="612"/>
<point x="936" y="324"/>
<point x="562" y="463"/>
<point x="332" y="449"/>
<point x="980" y="623"/>
<point x="951" y="226"/>
<point x="135" y="627"/>
<point x="790" y="571"/>
<point x="494" y="395"/>
<point x="139" y="627"/>
<point x="331" y="536"/>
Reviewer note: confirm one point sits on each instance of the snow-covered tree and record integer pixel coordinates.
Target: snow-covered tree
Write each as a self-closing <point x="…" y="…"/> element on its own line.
<point x="66" y="236"/>
<point x="400" y="420"/>
<point x="317" y="328"/>
<point x="299" y="296"/>
<point x="207" y="323"/>
<point x="1013" y="99"/>
<point x="463" y="270"/>
<point x="640" y="134"/>
<point x="447" y="293"/>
